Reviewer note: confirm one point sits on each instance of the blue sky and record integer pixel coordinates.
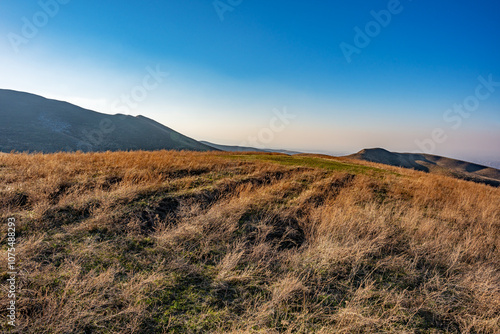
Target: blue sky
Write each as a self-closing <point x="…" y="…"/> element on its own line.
<point x="228" y="77"/>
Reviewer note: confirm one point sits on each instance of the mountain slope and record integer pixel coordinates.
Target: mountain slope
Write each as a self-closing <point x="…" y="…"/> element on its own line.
<point x="432" y="164"/>
<point x="32" y="123"/>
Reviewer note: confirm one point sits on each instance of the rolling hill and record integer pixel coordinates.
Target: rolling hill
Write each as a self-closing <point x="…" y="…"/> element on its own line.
<point x="32" y="123"/>
<point x="432" y="164"/>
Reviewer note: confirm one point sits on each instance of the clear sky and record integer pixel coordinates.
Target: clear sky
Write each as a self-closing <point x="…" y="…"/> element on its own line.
<point x="353" y="74"/>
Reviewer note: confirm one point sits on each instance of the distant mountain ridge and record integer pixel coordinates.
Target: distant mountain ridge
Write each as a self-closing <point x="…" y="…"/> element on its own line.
<point x="229" y="148"/>
<point x="33" y="123"/>
<point x="432" y="164"/>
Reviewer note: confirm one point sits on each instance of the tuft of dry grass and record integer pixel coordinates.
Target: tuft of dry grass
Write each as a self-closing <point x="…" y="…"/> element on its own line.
<point x="185" y="242"/>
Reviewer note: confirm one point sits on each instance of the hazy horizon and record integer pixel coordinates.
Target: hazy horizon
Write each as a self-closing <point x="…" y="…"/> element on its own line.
<point x="233" y="66"/>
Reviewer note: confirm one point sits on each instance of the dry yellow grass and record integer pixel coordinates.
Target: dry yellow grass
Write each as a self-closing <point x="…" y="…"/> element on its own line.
<point x="183" y="242"/>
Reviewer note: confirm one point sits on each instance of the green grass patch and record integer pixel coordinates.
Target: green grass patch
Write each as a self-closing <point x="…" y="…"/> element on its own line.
<point x="312" y="162"/>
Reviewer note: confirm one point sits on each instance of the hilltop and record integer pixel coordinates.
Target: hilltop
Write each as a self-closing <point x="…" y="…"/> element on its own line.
<point x="215" y="242"/>
<point x="33" y="123"/>
<point x="432" y="164"/>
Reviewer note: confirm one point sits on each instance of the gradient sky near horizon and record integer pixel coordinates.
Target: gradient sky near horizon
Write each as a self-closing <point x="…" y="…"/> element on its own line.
<point x="227" y="77"/>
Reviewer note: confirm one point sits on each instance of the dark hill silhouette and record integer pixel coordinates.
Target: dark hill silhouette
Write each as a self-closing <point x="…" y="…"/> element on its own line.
<point x="32" y="123"/>
<point x="432" y="164"/>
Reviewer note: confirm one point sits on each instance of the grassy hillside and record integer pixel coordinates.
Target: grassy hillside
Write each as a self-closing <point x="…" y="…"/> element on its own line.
<point x="184" y="242"/>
